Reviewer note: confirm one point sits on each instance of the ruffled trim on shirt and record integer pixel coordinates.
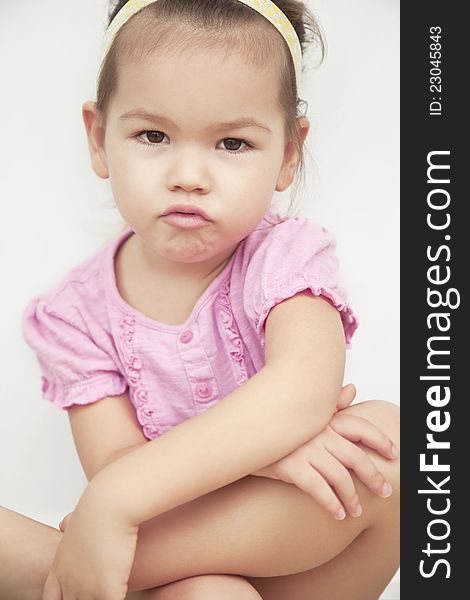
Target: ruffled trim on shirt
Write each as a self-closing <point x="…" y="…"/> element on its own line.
<point x="336" y="297"/>
<point x="138" y="392"/>
<point x="83" y="392"/>
<point x="235" y="344"/>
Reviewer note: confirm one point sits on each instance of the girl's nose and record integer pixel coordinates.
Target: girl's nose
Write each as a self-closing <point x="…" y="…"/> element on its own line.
<point x="189" y="172"/>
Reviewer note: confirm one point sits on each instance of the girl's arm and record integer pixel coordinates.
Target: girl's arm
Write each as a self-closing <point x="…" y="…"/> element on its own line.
<point x="289" y="401"/>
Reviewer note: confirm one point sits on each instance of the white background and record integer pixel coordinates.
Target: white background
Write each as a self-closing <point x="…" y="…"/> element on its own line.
<point x="56" y="212"/>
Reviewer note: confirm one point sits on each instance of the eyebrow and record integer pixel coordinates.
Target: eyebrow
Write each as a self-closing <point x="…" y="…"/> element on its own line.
<point x="238" y="124"/>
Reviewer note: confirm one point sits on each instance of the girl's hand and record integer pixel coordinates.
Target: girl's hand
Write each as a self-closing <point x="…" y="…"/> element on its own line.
<point x="65" y="521"/>
<point x="346" y="396"/>
<point x="94" y="557"/>
<point x="320" y="466"/>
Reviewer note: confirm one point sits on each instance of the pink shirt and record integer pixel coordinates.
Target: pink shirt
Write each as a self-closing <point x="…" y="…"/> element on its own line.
<point x="91" y="344"/>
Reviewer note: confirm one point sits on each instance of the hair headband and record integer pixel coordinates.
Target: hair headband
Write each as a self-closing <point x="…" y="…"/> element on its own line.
<point x="268" y="9"/>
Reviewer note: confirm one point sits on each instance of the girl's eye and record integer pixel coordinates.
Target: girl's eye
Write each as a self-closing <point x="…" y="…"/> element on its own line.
<point x="233" y="145"/>
<point x="154" y="138"/>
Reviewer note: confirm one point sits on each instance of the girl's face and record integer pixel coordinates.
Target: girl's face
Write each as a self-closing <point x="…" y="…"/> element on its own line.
<point x="178" y="132"/>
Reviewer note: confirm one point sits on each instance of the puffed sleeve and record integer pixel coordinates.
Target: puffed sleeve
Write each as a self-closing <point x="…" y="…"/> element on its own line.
<point x="75" y="369"/>
<point x="295" y="255"/>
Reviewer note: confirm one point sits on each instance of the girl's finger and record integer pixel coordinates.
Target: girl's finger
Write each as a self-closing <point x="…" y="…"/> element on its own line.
<point x="338" y="476"/>
<point x="312" y="483"/>
<point x="358" y="429"/>
<point x="64" y="523"/>
<point x="346" y="396"/>
<point x="354" y="458"/>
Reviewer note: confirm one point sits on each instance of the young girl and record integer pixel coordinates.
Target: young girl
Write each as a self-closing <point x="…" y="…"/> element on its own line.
<point x="200" y="354"/>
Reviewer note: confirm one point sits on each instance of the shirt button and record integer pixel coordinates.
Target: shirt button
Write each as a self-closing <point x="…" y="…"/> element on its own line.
<point x="186" y="337"/>
<point x="204" y="390"/>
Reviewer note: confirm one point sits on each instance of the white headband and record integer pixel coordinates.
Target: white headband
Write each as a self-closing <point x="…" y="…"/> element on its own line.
<point x="268" y="9"/>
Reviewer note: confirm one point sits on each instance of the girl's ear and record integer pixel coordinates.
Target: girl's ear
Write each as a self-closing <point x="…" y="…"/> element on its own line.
<point x="291" y="157"/>
<point x="95" y="134"/>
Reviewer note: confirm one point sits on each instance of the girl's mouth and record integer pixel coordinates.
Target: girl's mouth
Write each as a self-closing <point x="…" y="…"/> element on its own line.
<point x="185" y="220"/>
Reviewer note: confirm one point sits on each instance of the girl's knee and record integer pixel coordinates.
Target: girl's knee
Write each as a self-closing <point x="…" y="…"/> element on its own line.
<point x="202" y="587"/>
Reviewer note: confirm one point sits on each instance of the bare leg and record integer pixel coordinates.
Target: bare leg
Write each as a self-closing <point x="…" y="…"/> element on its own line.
<point x="202" y="587"/>
<point x="364" y="568"/>
<point x="261" y="528"/>
<point x="360" y="572"/>
<point x="27" y="549"/>
<point x="258" y="528"/>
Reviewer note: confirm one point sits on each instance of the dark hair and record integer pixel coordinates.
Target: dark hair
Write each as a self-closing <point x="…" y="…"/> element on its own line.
<point x="229" y="23"/>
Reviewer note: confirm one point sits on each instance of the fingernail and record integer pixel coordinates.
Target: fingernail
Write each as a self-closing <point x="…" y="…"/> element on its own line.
<point x="357" y="512"/>
<point x="386" y="490"/>
<point x="340" y="515"/>
<point x="394" y="451"/>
